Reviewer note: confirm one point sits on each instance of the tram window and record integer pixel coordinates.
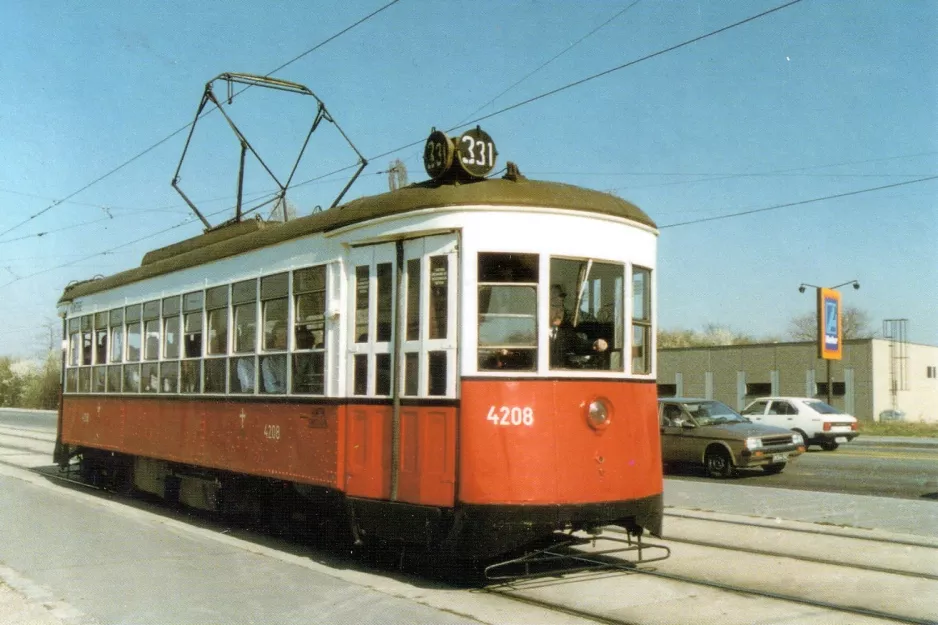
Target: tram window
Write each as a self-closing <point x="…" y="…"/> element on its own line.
<point x="71" y="380"/>
<point x="216" y="297"/>
<point x="411" y="373"/>
<point x="309" y="373"/>
<point x="171" y="307"/>
<point x="114" y="379"/>
<point x="169" y="377"/>
<point x="218" y="331"/>
<point x="274" y="373"/>
<point x="245" y="318"/>
<point x="171" y="337"/>
<point x="84" y="380"/>
<point x="132" y="319"/>
<point x="507" y="311"/>
<point x="99" y="375"/>
<point x="215" y="374"/>
<point x="117" y="335"/>
<point x="382" y="374"/>
<point x="86" y="340"/>
<point x="242" y="375"/>
<point x="274" y="291"/>
<point x="151" y="330"/>
<point x="133" y="342"/>
<point x="190" y="376"/>
<point x="436" y="372"/>
<point x="131" y="378"/>
<point x="385" y="294"/>
<point x="244" y="298"/>
<point x="413" y="302"/>
<point x="193" y="335"/>
<point x="362" y="290"/>
<point x="641" y="320"/>
<point x="309" y="313"/>
<point x="149" y="377"/>
<point x="275" y="324"/>
<point x="74" y="342"/>
<point x="193" y="302"/>
<point x="216" y="302"/>
<point x="496" y="267"/>
<point x="439" y="302"/>
<point x="361" y="374"/>
<point x="585" y="315"/>
<point x="100" y="338"/>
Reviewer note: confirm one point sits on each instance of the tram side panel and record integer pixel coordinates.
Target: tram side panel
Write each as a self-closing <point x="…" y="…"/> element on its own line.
<point x="556" y="457"/>
<point x="298" y="442"/>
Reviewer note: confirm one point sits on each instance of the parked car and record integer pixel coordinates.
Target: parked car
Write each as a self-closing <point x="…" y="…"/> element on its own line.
<point x="708" y="432"/>
<point x="892" y="415"/>
<point x="817" y="422"/>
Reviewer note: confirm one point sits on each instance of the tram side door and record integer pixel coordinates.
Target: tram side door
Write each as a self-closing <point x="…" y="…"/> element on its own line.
<point x="372" y="290"/>
<point x="428" y="371"/>
<point x="402" y="377"/>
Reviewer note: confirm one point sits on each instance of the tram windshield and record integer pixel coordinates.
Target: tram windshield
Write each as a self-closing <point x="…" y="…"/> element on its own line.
<point x="585" y="320"/>
<point x="585" y="315"/>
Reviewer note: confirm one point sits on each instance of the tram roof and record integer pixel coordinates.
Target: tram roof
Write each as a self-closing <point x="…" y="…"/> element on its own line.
<point x="254" y="234"/>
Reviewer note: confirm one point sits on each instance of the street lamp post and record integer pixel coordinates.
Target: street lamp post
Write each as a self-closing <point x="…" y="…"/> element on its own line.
<point x="822" y="331"/>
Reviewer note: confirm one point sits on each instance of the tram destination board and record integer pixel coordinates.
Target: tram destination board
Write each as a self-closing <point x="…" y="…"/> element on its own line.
<point x="474" y="151"/>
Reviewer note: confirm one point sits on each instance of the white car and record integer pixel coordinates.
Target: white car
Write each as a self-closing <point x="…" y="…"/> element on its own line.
<point x="817" y="422"/>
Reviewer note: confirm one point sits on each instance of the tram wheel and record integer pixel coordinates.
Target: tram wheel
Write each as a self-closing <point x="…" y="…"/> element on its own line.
<point x="718" y="463"/>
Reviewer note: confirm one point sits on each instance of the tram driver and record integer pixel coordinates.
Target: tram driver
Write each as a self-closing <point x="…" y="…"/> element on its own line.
<point x="570" y="349"/>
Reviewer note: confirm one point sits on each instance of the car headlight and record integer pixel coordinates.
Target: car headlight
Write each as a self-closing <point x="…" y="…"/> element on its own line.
<point x="754" y="442"/>
<point x="797" y="439"/>
<point x="598" y="414"/>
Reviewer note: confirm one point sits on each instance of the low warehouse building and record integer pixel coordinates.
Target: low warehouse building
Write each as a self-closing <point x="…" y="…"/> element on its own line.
<point x="876" y="379"/>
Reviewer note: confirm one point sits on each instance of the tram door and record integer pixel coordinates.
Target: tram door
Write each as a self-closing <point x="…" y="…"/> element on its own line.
<point x="402" y="377"/>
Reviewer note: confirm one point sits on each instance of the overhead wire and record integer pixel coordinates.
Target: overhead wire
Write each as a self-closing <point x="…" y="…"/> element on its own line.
<point x="552" y="59"/>
<point x="185" y="127"/>
<point x="564" y="88"/>
<point x="798" y="203"/>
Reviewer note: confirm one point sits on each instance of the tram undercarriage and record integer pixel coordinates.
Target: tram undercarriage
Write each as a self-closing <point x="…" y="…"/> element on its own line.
<point x="504" y="541"/>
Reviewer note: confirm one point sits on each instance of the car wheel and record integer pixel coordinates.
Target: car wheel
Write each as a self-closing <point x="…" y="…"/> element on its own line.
<point x="772" y="469"/>
<point x="718" y="463"/>
<point x="829" y="446"/>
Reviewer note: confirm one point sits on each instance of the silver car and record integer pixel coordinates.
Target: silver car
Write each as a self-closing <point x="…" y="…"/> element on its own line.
<point x="708" y="432"/>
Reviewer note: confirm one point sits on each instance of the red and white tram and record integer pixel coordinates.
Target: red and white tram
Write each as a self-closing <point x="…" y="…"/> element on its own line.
<point x="466" y="363"/>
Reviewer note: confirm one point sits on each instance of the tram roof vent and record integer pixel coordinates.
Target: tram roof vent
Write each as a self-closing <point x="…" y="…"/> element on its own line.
<point x="513" y="173"/>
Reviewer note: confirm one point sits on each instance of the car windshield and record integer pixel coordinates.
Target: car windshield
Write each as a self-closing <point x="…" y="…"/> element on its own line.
<point x="821" y="408"/>
<point x="713" y="413"/>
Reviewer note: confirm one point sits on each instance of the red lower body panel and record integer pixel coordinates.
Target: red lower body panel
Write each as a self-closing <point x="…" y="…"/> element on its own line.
<point x="346" y="447"/>
<point x="529" y="442"/>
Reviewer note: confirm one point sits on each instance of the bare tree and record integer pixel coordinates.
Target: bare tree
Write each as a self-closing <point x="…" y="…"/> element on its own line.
<point x="284" y="210"/>
<point x="397" y="175"/>
<point x="712" y="334"/>
<point x="856" y="325"/>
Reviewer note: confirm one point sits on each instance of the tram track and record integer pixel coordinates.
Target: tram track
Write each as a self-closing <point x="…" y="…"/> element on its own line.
<point x="788" y="580"/>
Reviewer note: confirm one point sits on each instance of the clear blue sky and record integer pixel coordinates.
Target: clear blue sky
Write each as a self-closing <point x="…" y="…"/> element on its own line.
<point x="819" y="99"/>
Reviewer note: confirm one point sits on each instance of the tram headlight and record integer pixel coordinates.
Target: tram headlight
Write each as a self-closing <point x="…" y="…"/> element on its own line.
<point x="599" y="414"/>
<point x="753" y="442"/>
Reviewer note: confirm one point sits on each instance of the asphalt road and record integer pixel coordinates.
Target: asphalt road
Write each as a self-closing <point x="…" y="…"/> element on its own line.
<point x="868" y="468"/>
